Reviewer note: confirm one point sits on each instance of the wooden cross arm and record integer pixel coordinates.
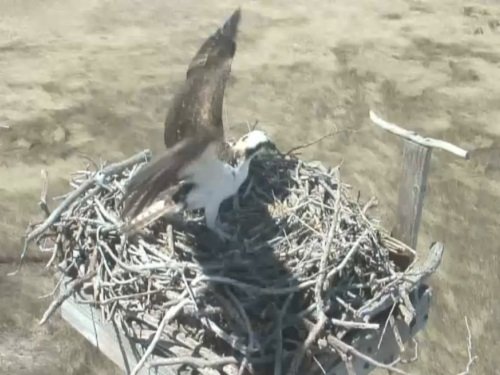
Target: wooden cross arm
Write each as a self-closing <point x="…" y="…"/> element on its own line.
<point x="414" y="137"/>
<point x="415" y="169"/>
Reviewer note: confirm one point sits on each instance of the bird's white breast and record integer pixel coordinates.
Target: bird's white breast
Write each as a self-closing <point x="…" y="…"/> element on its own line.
<point x="214" y="180"/>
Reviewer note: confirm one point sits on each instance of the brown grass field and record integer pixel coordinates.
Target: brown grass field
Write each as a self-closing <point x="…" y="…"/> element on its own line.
<point x="95" y="78"/>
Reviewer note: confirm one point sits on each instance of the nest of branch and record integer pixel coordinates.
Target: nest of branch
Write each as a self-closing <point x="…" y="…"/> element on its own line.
<point x="309" y="268"/>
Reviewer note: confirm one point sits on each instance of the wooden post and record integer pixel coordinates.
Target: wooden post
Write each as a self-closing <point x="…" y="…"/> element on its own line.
<point x="416" y="163"/>
<point x="412" y="189"/>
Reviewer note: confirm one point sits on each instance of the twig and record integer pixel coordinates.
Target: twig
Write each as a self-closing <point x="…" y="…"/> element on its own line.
<point x="248" y="325"/>
<point x="348" y="257"/>
<point x="169" y="315"/>
<point x="355" y="325"/>
<point x="382" y="334"/>
<point x="371" y="203"/>
<point x="326" y="252"/>
<point x="194" y="362"/>
<point x="64" y="296"/>
<point x="189" y="290"/>
<point x="113" y="168"/>
<point x="43" y="194"/>
<point x="253" y="288"/>
<point x="318" y="140"/>
<point x="311" y="337"/>
<point x="472" y="358"/>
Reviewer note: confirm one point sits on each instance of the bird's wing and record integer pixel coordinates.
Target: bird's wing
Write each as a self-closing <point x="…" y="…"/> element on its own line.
<point x="163" y="173"/>
<point x="162" y="207"/>
<point x="199" y="102"/>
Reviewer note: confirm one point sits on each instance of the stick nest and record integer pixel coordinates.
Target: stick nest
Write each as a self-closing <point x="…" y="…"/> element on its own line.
<point x="308" y="268"/>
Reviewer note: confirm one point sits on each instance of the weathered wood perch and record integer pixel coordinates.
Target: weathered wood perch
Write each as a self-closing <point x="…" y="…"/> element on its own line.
<point x="415" y="169"/>
<point x="416" y="138"/>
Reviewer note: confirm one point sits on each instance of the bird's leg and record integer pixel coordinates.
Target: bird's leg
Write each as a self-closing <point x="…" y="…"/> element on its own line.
<point x="249" y="187"/>
<point x="211" y="214"/>
<point x="236" y="202"/>
<point x="237" y="197"/>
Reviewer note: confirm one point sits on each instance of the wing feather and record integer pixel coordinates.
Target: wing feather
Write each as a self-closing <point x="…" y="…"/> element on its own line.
<point x="151" y="213"/>
<point x="199" y="102"/>
<point x="161" y="174"/>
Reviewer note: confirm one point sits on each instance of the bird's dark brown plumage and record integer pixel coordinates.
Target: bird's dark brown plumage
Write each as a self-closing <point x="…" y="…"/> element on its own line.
<point x="162" y="173"/>
<point x="199" y="102"/>
<point x="194" y="118"/>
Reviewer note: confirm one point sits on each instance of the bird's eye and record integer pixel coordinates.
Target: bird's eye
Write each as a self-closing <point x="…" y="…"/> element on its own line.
<point x="244" y="138"/>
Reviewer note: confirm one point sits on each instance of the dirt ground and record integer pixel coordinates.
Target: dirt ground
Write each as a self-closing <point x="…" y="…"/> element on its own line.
<point x="95" y="77"/>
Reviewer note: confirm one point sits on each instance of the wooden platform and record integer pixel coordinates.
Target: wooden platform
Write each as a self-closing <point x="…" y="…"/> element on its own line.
<point x="113" y="343"/>
<point x="108" y="338"/>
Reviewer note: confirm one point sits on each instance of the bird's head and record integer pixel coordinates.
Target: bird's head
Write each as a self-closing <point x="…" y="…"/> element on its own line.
<point x="252" y="144"/>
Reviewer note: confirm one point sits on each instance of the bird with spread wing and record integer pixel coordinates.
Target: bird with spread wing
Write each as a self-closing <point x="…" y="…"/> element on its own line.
<point x="199" y="169"/>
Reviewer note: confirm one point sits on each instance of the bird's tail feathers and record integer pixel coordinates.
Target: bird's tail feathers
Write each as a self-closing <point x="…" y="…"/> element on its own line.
<point x="150" y="214"/>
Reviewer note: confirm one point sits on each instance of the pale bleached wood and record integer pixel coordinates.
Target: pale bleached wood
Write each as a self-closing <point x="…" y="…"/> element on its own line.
<point x="416" y="138"/>
<point x="412" y="189"/>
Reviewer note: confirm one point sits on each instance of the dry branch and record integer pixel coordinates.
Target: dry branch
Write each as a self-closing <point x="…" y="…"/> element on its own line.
<point x="65" y="295"/>
<point x="413" y="136"/>
<point x="43" y="195"/>
<point x="471" y="357"/>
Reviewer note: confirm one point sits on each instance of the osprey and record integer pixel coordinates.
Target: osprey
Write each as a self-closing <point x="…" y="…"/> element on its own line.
<point x="199" y="169"/>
